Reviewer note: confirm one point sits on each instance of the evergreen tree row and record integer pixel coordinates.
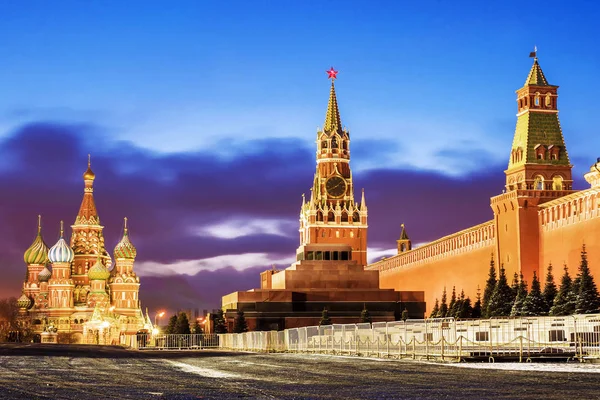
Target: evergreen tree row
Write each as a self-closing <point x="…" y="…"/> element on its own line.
<point x="575" y="296"/>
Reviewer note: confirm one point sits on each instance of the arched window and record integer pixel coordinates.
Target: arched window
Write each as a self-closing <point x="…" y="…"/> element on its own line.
<point x="324" y="144"/>
<point x="538" y="183"/>
<point x="537" y="99"/>
<point x="334" y="143"/>
<point x="548" y="100"/>
<point x="557" y="183"/>
<point x="356" y="217"/>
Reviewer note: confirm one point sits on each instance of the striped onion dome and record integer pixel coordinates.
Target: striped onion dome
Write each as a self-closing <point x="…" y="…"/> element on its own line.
<point x="37" y="253"/>
<point x="24" y="302"/>
<point x="61" y="252"/>
<point x="44" y="275"/>
<point x="98" y="272"/>
<point x="125" y="249"/>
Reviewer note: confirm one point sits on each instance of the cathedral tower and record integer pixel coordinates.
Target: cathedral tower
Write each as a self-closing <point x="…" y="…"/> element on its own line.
<point x="538" y="171"/>
<point x="60" y="285"/>
<point x="124" y="283"/>
<point x="87" y="239"/>
<point x="332" y="216"/>
<point x="404" y="243"/>
<point x="36" y="258"/>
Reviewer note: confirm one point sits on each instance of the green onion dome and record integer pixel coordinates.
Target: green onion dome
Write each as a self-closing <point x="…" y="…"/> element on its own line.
<point x="24" y="302"/>
<point x="98" y="272"/>
<point x="61" y="252"/>
<point x="125" y="249"/>
<point x="37" y="253"/>
<point x="44" y="275"/>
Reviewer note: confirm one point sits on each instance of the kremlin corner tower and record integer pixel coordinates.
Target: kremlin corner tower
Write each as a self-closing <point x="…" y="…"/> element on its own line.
<point x="71" y="286"/>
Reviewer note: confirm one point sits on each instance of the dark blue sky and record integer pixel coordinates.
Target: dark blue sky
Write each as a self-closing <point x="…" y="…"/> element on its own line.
<point x="201" y="119"/>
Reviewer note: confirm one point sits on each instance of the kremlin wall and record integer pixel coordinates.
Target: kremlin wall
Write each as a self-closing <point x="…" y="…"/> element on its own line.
<point x="535" y="220"/>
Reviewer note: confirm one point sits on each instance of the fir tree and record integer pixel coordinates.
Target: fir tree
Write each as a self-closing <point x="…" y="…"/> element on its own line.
<point x="197" y="328"/>
<point x="365" y="315"/>
<point x="436" y="309"/>
<point x="219" y="322"/>
<point x="490" y="284"/>
<point x="517" y="308"/>
<point x="500" y="304"/>
<point x="182" y="325"/>
<point x="171" y="326"/>
<point x="325" y="320"/>
<point x="514" y="286"/>
<point x="443" y="306"/>
<point x="404" y="316"/>
<point x="587" y="292"/>
<point x="452" y="306"/>
<point x="476" y="312"/>
<point x="464" y="309"/>
<point x="240" y="325"/>
<point x="564" y="301"/>
<point x="550" y="289"/>
<point x="534" y="303"/>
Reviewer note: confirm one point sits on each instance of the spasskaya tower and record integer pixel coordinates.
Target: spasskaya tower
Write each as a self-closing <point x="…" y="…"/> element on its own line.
<point x="332" y="216"/>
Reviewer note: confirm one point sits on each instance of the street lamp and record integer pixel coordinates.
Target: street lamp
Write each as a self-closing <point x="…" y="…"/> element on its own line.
<point x="158" y="315"/>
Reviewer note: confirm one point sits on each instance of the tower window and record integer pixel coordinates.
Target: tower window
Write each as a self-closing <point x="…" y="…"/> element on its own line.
<point x="538" y="183"/>
<point x="548" y="100"/>
<point x="557" y="183"/>
<point x="540" y="156"/>
<point x="324" y="144"/>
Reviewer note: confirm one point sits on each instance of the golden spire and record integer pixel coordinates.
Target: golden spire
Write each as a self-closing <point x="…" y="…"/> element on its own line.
<point x="39" y="224"/>
<point x="333" y="122"/>
<point x="89" y="175"/>
<point x="87" y="211"/>
<point x="125" y="227"/>
<point x="536" y="76"/>
<point x="403" y="234"/>
<point x="62" y="228"/>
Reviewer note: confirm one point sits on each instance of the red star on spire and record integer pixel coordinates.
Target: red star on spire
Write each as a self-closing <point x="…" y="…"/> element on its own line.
<point x="332" y="73"/>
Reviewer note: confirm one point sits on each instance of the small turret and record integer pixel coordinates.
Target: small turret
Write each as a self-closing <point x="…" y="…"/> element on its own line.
<point x="404" y="243"/>
<point x="61" y="252"/>
<point x="125" y="249"/>
<point x="98" y="272"/>
<point x="37" y="253"/>
<point x="24" y="302"/>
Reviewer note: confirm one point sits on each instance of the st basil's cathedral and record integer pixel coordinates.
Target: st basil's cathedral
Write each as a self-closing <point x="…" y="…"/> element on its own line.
<point x="71" y="289"/>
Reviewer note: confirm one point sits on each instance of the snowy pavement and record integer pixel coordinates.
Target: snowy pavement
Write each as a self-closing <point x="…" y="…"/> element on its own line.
<point x="75" y="372"/>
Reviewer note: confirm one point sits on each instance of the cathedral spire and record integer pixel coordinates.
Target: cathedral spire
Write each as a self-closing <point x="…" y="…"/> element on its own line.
<point x="88" y="215"/>
<point x="333" y="122"/>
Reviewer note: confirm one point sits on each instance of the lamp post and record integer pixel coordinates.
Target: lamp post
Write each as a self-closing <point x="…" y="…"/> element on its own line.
<point x="157" y="316"/>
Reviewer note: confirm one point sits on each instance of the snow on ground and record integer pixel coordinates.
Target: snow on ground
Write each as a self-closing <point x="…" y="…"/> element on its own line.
<point x="505" y="366"/>
<point x="205" y="372"/>
<point x="533" y="366"/>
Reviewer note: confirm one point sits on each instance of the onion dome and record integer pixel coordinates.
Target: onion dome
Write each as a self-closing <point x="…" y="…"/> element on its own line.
<point x="44" y="275"/>
<point x="89" y="175"/>
<point x="125" y="249"/>
<point x="37" y="253"/>
<point x="61" y="252"/>
<point x="24" y="302"/>
<point x="98" y="272"/>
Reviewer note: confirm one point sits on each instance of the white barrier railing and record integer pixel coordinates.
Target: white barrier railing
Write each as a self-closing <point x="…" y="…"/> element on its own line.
<point x="522" y="338"/>
<point x="170" y="341"/>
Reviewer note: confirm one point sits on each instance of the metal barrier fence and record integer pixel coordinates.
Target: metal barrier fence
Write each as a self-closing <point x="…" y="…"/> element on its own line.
<point x="521" y="338"/>
<point x="171" y="341"/>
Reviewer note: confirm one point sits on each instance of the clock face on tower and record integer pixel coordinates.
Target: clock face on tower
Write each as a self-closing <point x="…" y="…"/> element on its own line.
<point x="335" y="186"/>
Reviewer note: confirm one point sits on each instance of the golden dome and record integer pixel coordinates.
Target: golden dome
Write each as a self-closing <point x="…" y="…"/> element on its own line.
<point x="89" y="175"/>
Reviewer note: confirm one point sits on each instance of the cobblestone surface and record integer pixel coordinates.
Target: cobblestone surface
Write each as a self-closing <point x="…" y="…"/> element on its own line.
<point x="76" y="372"/>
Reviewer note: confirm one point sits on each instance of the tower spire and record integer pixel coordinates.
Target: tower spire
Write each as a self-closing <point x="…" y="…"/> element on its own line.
<point x="333" y="122"/>
<point x="88" y="215"/>
<point x="539" y="158"/>
<point x="39" y="225"/>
